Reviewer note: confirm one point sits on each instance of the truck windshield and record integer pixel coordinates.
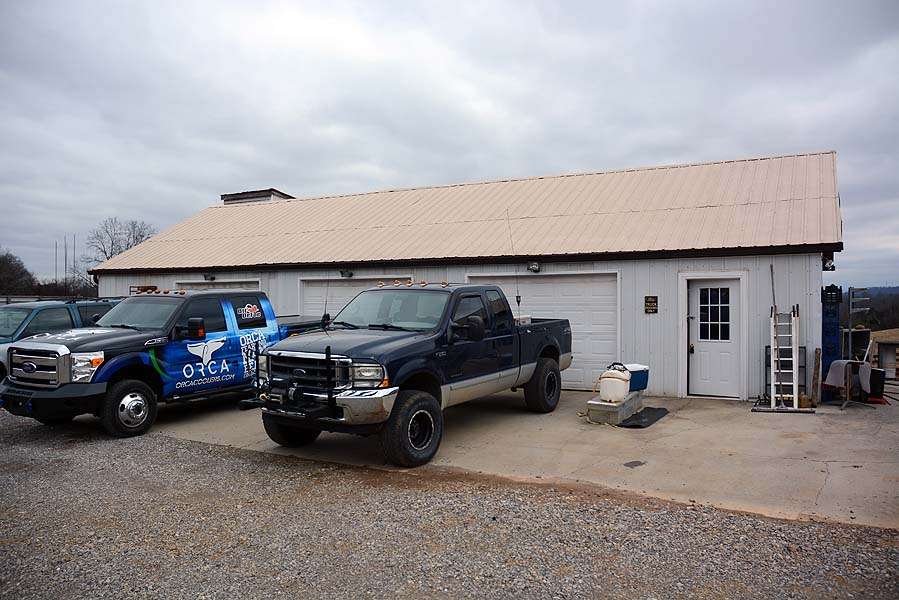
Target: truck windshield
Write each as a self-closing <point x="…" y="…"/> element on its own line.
<point x="419" y="310"/>
<point x="11" y="318"/>
<point x="140" y="313"/>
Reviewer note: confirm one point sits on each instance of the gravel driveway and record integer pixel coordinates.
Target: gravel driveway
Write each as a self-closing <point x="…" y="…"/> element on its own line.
<point x="82" y="515"/>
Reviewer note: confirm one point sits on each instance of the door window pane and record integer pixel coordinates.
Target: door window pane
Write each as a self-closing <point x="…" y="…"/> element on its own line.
<point x="501" y="312"/>
<point x="248" y="311"/>
<point x="467" y="307"/>
<point x="49" y="320"/>
<point x="210" y="309"/>
<point x="87" y="312"/>
<point x="714" y="314"/>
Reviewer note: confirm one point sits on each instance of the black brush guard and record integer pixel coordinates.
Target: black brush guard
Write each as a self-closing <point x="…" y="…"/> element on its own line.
<point x="311" y="409"/>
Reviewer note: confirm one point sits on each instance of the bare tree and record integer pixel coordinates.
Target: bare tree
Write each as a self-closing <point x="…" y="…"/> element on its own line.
<point x="110" y="238"/>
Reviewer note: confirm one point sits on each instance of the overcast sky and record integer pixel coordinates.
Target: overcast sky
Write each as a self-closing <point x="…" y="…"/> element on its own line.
<point x="151" y="110"/>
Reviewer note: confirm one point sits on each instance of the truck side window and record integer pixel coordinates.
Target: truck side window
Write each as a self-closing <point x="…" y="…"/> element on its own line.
<point x="501" y="312"/>
<point x="87" y="312"/>
<point x="210" y="309"/>
<point x="469" y="306"/>
<point x="48" y="321"/>
<point x="248" y="311"/>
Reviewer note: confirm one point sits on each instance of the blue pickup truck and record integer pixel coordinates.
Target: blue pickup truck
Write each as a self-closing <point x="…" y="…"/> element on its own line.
<point x="161" y="346"/>
<point x="396" y="356"/>
<point x="25" y="319"/>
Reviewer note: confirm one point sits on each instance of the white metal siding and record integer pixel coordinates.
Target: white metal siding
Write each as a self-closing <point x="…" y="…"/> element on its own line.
<point x="651" y="339"/>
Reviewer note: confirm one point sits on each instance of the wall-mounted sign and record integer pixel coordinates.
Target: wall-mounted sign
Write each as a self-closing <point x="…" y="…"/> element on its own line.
<point x="650" y="304"/>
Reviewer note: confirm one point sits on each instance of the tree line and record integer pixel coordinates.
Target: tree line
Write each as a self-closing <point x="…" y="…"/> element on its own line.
<point x="112" y="236"/>
<point x="883" y="308"/>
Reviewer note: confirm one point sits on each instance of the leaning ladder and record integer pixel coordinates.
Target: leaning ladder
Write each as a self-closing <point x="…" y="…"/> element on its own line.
<point x="785" y="349"/>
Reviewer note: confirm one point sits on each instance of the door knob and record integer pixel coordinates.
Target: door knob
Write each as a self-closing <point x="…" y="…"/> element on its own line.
<point x="692" y="349"/>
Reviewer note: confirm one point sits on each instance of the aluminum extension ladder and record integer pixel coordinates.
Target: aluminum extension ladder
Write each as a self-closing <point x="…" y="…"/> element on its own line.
<point x="784" y="390"/>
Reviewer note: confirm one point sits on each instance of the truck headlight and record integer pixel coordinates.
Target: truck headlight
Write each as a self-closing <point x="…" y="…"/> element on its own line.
<point x="262" y="365"/>
<point x="84" y="365"/>
<point x="368" y="376"/>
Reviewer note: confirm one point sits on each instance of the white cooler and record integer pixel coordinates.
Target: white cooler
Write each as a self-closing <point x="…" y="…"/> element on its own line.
<point x="614" y="385"/>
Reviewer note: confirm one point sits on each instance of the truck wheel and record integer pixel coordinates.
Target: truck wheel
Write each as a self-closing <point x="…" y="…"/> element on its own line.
<point x="129" y="408"/>
<point x="412" y="434"/>
<point x="541" y="393"/>
<point x="287" y="436"/>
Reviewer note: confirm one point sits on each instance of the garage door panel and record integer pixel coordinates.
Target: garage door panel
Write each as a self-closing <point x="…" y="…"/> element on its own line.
<point x="338" y="291"/>
<point x="588" y="301"/>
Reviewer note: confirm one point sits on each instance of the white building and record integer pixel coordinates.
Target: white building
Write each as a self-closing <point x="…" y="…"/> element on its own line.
<point x="646" y="263"/>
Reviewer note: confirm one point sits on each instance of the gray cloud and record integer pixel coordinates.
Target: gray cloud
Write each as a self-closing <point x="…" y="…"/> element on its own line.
<point x="150" y="111"/>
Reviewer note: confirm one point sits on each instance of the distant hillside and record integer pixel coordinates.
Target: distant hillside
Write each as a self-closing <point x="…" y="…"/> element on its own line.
<point x="877" y="291"/>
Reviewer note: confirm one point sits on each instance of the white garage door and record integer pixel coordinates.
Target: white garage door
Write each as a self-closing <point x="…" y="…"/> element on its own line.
<point x="589" y="302"/>
<point x="339" y="292"/>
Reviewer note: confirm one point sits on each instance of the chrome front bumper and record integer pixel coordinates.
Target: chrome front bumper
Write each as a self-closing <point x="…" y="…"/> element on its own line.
<point x="359" y="407"/>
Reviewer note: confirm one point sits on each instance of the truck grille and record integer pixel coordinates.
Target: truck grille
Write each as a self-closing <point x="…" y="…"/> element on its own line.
<point x="308" y="372"/>
<point x="34" y="367"/>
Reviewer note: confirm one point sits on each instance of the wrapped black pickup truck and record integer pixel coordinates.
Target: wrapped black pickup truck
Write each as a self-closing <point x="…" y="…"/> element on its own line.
<point x="396" y="356"/>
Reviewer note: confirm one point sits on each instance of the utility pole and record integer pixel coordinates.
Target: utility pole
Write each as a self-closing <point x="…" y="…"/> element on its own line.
<point x="853" y="300"/>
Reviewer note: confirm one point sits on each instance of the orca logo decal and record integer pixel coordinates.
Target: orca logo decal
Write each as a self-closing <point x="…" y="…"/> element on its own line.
<point x="207" y="370"/>
<point x="205" y="350"/>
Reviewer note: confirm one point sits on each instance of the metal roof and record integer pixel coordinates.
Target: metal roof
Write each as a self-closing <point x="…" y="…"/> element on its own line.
<point x="761" y="203"/>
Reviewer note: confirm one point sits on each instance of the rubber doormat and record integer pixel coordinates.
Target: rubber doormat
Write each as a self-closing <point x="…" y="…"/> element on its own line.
<point x="643" y="419"/>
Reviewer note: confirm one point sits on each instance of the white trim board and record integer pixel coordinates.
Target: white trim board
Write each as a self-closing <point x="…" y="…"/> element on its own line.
<point x="683" y="307"/>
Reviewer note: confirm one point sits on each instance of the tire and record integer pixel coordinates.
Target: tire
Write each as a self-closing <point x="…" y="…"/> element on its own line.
<point x="412" y="434"/>
<point x="129" y="408"/>
<point x="287" y="436"/>
<point x="55" y="421"/>
<point x="541" y="393"/>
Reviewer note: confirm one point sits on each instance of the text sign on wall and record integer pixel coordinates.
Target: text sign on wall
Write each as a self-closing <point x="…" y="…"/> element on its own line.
<point x="650" y="304"/>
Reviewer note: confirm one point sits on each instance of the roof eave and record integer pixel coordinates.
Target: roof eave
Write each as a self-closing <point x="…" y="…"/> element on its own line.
<point x="592" y="256"/>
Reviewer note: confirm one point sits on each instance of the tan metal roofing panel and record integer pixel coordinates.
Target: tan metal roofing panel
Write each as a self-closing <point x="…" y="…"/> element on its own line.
<point x="753" y="203"/>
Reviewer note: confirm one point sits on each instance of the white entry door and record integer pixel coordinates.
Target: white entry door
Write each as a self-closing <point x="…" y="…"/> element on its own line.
<point x="713" y="362"/>
<point x="590" y="303"/>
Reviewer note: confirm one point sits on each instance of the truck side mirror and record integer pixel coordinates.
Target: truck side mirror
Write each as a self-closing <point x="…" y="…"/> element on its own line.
<point x="196" y="328"/>
<point x="476" y="328"/>
<point x="326" y="319"/>
<point x="95" y="317"/>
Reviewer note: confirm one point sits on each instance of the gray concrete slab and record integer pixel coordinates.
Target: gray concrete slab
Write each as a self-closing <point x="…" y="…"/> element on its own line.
<point x="833" y="465"/>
